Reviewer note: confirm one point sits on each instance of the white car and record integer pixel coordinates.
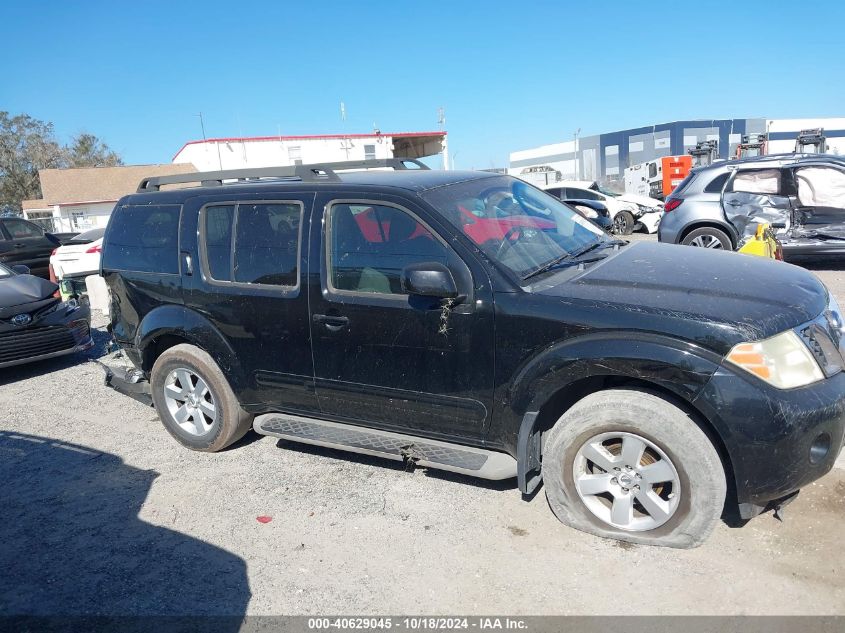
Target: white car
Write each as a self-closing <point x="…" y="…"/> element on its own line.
<point x="79" y="256"/>
<point x="624" y="213"/>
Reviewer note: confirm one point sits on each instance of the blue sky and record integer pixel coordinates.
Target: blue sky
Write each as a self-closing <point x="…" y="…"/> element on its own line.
<point x="510" y="75"/>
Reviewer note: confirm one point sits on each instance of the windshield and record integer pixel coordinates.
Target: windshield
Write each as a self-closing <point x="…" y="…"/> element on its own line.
<point x="607" y="192"/>
<point x="518" y="226"/>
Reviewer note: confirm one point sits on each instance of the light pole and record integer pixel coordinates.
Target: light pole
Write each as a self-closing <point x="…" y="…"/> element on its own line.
<point x="575" y="134"/>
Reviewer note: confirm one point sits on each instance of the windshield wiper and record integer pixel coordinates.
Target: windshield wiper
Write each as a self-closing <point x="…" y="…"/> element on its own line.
<point x="594" y="245"/>
<point x="567" y="257"/>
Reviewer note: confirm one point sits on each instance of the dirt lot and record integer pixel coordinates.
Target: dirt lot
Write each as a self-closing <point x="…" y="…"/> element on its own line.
<point x="104" y="513"/>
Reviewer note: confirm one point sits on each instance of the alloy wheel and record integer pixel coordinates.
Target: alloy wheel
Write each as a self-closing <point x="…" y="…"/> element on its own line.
<point x="190" y="401"/>
<point x="627" y="481"/>
<point x="706" y="241"/>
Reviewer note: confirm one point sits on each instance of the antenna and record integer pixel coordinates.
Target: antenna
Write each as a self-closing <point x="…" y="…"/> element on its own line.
<point x="441" y="117"/>
<point x="342" y="111"/>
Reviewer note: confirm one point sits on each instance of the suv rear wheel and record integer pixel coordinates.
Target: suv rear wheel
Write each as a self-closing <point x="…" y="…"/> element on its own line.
<point x="629" y="465"/>
<point x="194" y="400"/>
<point x="708" y="237"/>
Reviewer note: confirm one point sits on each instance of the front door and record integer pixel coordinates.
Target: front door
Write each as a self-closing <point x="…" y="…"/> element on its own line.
<point x="384" y="358"/>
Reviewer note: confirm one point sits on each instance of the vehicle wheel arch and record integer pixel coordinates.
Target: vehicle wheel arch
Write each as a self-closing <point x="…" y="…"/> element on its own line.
<point x="724" y="228"/>
<point x="169" y="325"/>
<point x="542" y="397"/>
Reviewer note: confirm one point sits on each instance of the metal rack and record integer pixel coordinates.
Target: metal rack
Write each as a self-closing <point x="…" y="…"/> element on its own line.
<point x="318" y="172"/>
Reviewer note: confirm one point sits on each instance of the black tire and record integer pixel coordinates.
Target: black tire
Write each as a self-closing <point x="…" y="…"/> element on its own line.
<point x="623" y="223"/>
<point x="700" y="474"/>
<point x="708" y="237"/>
<point x="230" y="423"/>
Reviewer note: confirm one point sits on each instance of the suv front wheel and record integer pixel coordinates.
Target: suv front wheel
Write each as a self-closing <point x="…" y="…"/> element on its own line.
<point x="194" y="400"/>
<point x="629" y="465"/>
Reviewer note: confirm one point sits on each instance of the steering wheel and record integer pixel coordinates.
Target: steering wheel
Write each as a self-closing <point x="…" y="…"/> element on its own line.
<point x="520" y="232"/>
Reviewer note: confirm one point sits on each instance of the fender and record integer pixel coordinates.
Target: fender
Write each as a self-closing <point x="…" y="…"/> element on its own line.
<point x="177" y="320"/>
<point x="679" y="367"/>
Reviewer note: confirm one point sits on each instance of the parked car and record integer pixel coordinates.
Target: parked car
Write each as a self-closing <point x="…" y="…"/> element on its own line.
<point x="593" y="210"/>
<point x="720" y="205"/>
<point x="79" y="256"/>
<point x="626" y="215"/>
<point x="26" y="244"/>
<point x="638" y="398"/>
<point x="34" y="324"/>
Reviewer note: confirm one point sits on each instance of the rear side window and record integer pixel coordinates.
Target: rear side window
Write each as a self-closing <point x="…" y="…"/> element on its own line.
<point x="717" y="184"/>
<point x="143" y="239"/>
<point x="21" y="228"/>
<point x="759" y="181"/>
<point x="255" y="243"/>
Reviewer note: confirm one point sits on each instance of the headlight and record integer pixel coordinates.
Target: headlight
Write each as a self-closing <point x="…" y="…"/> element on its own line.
<point x="783" y="361"/>
<point x="590" y="213"/>
<point x="71" y="305"/>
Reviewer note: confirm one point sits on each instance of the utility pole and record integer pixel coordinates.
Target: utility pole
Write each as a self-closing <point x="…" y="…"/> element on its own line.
<point x="441" y="121"/>
<point x="577" y="172"/>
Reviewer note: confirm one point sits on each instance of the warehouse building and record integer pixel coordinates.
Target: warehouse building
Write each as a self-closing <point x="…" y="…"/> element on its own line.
<point x="604" y="157"/>
<point x="271" y="151"/>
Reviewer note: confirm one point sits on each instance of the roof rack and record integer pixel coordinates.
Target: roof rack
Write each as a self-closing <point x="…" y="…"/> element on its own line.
<point x="318" y="172"/>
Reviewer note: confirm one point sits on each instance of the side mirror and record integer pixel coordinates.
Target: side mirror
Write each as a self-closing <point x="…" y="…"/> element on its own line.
<point x="429" y="279"/>
<point x="21" y="269"/>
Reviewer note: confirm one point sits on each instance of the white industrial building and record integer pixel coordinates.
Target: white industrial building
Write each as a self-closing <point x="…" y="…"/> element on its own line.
<point x="604" y="157"/>
<point x="271" y="151"/>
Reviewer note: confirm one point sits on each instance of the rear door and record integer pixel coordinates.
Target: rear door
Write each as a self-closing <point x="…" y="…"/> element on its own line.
<point x="248" y="279"/>
<point x="29" y="245"/>
<point x="754" y="196"/>
<point x="820" y="200"/>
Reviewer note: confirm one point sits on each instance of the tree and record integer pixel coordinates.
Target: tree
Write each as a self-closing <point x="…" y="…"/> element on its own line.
<point x="86" y="150"/>
<point x="27" y="145"/>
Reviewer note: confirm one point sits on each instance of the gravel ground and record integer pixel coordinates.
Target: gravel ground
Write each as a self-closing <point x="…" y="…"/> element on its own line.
<point x="104" y="514"/>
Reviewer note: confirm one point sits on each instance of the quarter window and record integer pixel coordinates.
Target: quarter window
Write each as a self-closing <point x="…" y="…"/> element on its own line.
<point x="715" y="185"/>
<point x="218" y="241"/>
<point x="369" y="245"/>
<point x="143" y="239"/>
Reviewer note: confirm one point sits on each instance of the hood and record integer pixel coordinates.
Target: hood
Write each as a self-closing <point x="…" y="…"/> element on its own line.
<point x="715" y="298"/>
<point x="21" y="289"/>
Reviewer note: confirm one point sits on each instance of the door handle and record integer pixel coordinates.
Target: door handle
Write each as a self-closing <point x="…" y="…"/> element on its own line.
<point x="20" y="245"/>
<point x="734" y="203"/>
<point x="332" y="322"/>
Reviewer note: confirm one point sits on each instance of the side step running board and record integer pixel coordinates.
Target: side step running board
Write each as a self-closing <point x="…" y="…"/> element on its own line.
<point x="456" y="458"/>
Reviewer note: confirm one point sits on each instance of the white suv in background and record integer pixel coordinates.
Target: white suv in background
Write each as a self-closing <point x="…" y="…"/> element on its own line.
<point x="627" y="210"/>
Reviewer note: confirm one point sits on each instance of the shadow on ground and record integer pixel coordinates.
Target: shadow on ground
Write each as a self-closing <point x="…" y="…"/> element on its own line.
<point x="72" y="542"/>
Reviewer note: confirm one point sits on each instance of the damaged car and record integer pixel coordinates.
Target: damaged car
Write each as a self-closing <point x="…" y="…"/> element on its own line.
<point x="34" y="323"/>
<point x="374" y="307"/>
<point x="801" y="196"/>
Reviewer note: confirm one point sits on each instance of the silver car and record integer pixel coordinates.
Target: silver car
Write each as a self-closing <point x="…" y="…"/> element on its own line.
<point x="801" y="195"/>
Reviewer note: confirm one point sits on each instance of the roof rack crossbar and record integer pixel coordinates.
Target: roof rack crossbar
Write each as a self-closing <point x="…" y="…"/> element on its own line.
<point x="318" y="172"/>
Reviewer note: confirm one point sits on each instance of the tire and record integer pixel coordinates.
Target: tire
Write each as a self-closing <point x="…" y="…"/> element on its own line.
<point x="623" y="223"/>
<point x="199" y="431"/>
<point x="708" y="237"/>
<point x="667" y="432"/>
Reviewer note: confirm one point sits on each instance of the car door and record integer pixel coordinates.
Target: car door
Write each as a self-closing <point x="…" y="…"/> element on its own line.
<point x="28" y="245"/>
<point x="381" y="357"/>
<point x="820" y="200"/>
<point x="247" y="280"/>
<point x="754" y="196"/>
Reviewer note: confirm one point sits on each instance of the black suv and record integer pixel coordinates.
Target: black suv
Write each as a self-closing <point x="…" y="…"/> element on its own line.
<point x="374" y="311"/>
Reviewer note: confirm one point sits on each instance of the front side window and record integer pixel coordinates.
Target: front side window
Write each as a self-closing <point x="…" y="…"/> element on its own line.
<point x="256" y="243"/>
<point x="821" y="187"/>
<point x="370" y="244"/>
<point x="143" y="239"/>
<point x="21" y="228"/>
<point x="516" y="225"/>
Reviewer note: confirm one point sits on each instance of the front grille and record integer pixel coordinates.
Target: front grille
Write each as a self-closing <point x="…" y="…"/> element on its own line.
<point x="38" y="341"/>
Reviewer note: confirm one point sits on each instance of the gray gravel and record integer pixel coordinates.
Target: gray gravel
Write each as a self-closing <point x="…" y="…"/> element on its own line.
<point x="103" y="513"/>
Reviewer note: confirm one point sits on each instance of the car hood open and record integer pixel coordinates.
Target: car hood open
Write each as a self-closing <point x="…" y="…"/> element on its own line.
<point x="21" y="289"/>
<point x="718" y="298"/>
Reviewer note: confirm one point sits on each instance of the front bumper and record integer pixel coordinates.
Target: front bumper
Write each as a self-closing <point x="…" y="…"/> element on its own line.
<point x="775" y="438"/>
<point x="650" y="220"/>
<point x="58" y="333"/>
